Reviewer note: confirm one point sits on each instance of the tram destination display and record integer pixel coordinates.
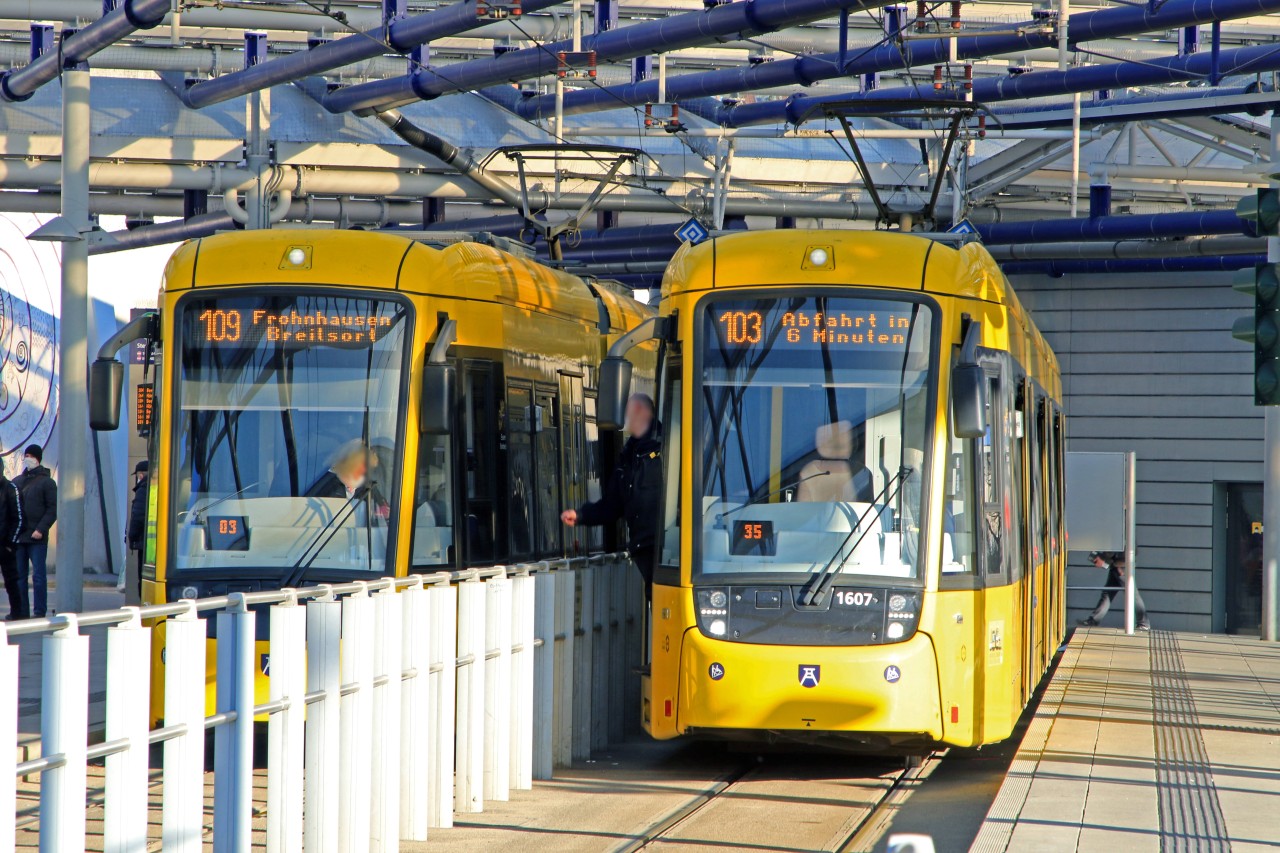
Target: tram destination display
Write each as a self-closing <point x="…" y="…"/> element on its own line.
<point x="233" y="326"/>
<point x="743" y="324"/>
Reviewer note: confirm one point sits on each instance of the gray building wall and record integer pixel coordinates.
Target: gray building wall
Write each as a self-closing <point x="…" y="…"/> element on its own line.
<point x="1150" y="366"/>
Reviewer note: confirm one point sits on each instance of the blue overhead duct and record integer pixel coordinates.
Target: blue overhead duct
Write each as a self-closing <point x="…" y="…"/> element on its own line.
<point x="1218" y="263"/>
<point x="731" y="21"/>
<point x="400" y="36"/>
<point x="1034" y="84"/>
<point x="1254" y="99"/>
<point x="805" y="70"/>
<point x="1154" y="225"/>
<point x="125" y="19"/>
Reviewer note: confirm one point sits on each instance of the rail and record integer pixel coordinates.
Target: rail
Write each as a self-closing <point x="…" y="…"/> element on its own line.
<point x="499" y="674"/>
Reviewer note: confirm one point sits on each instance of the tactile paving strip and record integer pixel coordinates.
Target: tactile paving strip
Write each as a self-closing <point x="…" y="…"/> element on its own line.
<point x="1190" y="814"/>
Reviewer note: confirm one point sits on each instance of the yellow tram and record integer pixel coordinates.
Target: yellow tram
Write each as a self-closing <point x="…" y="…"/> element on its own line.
<point x="861" y="538"/>
<point x="343" y="405"/>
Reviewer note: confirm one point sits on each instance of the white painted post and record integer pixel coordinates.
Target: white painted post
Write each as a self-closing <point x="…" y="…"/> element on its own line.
<point x="8" y="734"/>
<point x="584" y="642"/>
<point x="634" y="652"/>
<point x="233" y="742"/>
<point x="321" y="775"/>
<point x="288" y="674"/>
<point x="64" y="724"/>
<point x="598" y="626"/>
<point x="618" y="665"/>
<point x="128" y="703"/>
<point x="522" y="697"/>
<point x="442" y="703"/>
<point x="562" y="695"/>
<point x="354" y="761"/>
<point x="497" y="689"/>
<point x="182" y="811"/>
<point x="388" y="646"/>
<point x="414" y="698"/>
<point x="544" y="673"/>
<point x="470" y="759"/>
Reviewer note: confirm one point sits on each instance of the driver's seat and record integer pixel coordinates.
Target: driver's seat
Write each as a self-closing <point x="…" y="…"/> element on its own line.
<point x="830" y="478"/>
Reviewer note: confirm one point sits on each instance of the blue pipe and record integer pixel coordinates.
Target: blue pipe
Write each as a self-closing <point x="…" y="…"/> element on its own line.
<point x="805" y="70"/>
<point x="134" y="15"/>
<point x="1116" y="227"/>
<point x="1034" y="84"/>
<point x="1218" y="263"/>
<point x="1196" y="102"/>
<point x="401" y="36"/>
<point x="733" y="21"/>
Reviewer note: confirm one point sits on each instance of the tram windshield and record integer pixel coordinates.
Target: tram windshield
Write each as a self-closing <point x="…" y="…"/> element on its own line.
<point x="286" y="441"/>
<point x="811" y="408"/>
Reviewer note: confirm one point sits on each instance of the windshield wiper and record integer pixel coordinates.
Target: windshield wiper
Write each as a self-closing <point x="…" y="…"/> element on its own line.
<point x="721" y="517"/>
<point x="821" y="580"/>
<point x="197" y="514"/>
<point x="315" y="547"/>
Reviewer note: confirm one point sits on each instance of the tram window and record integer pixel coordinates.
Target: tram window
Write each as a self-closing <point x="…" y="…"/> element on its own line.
<point x="521" y="494"/>
<point x="959" y="552"/>
<point x="547" y="503"/>
<point x="993" y="472"/>
<point x="814" y="419"/>
<point x="290" y="422"/>
<point x="1036" y="464"/>
<point x="1013" y="504"/>
<point x="433" y="503"/>
<point x="672" y="425"/>
<point x="594" y="535"/>
<point x="480" y="443"/>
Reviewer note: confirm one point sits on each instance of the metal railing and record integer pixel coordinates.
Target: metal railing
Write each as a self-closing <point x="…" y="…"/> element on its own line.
<point x="378" y="691"/>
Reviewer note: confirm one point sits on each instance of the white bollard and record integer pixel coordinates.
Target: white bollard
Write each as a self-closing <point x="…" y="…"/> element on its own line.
<point x="288" y="674"/>
<point x="182" y="811"/>
<point x="414" y="699"/>
<point x="599" y="662"/>
<point x="544" y="672"/>
<point x="562" y="695"/>
<point x="469" y="797"/>
<point x="388" y="656"/>
<point x="583" y="683"/>
<point x="9" y="734"/>
<point x="321" y="773"/>
<point x="64" y="722"/>
<point x="442" y="703"/>
<point x="355" y="762"/>
<point x="497" y="689"/>
<point x="233" y="742"/>
<point x="128" y="706"/>
<point x="522" y="697"/>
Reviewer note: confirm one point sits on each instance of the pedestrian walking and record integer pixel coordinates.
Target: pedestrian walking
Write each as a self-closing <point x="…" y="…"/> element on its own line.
<point x="38" y="496"/>
<point x="1114" y="564"/>
<point x="10" y="525"/>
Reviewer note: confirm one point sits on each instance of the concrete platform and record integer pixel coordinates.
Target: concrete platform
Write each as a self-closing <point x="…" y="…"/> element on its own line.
<point x="1158" y="741"/>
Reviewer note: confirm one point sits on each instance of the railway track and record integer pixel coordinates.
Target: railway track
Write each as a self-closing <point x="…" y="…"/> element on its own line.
<point x="865" y="823"/>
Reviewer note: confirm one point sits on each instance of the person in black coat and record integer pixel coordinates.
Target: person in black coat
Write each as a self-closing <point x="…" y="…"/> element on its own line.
<point x="137" y="533"/>
<point x="10" y="524"/>
<point x="39" y="495"/>
<point x="634" y="491"/>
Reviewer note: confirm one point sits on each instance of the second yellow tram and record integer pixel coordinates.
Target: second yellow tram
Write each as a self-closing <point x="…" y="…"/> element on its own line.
<point x="861" y="533"/>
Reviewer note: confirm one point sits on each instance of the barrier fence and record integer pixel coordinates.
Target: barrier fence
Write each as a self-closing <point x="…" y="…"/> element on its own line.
<point x="393" y="704"/>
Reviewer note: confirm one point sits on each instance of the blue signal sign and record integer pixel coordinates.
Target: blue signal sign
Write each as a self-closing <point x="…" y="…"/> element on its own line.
<point x="964" y="226"/>
<point x="693" y="232"/>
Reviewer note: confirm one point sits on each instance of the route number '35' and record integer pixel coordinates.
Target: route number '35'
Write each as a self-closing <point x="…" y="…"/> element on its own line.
<point x="850" y="598"/>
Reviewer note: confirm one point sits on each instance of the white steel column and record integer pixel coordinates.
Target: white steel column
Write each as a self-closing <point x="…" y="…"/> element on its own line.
<point x="182" y="813"/>
<point x="322" y="762"/>
<point x="1064" y="11"/>
<point x="128" y="704"/>
<point x="1271" y="466"/>
<point x="288" y="671"/>
<point x="64" y="723"/>
<point x="8" y="734"/>
<point x="73" y="342"/>
<point x="415" y="756"/>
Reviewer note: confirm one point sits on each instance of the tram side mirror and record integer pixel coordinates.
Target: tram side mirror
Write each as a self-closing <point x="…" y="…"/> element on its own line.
<point x="437" y="398"/>
<point x="969" y="400"/>
<point x="106" y="383"/>
<point x="612" y="393"/>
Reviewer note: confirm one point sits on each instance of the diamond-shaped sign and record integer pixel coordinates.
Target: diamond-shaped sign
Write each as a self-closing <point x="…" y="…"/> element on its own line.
<point x="964" y="226"/>
<point x="693" y="232"/>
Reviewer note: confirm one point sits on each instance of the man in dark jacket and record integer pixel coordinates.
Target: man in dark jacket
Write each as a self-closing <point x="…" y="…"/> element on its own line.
<point x="39" y="497"/>
<point x="10" y="524"/>
<point x="634" y="491"/>
<point x="137" y="533"/>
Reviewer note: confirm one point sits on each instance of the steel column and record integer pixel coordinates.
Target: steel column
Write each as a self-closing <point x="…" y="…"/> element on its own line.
<point x="322" y="763"/>
<point x="64" y="720"/>
<point x="128" y="699"/>
<point x="1271" y="470"/>
<point x="233" y="741"/>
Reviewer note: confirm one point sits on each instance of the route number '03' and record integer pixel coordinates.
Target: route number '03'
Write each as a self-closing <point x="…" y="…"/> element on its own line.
<point x="850" y="598"/>
<point x="221" y="326"/>
<point x="229" y="526"/>
<point x="742" y="327"/>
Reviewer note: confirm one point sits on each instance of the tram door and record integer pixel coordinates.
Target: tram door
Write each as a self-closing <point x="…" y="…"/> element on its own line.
<point x="1244" y="558"/>
<point x="573" y="455"/>
<point x="533" y="470"/>
<point x="546" y="445"/>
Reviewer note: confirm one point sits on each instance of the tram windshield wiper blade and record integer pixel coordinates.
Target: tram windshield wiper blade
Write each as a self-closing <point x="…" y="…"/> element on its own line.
<point x="722" y="516"/>
<point x="315" y="547"/>
<point x="821" y="580"/>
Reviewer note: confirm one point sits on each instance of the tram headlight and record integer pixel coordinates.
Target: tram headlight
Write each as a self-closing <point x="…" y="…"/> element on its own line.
<point x="713" y="611"/>
<point x="895" y="631"/>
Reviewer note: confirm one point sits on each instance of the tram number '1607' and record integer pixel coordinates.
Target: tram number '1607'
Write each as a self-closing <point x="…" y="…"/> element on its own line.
<point x="854" y="598"/>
